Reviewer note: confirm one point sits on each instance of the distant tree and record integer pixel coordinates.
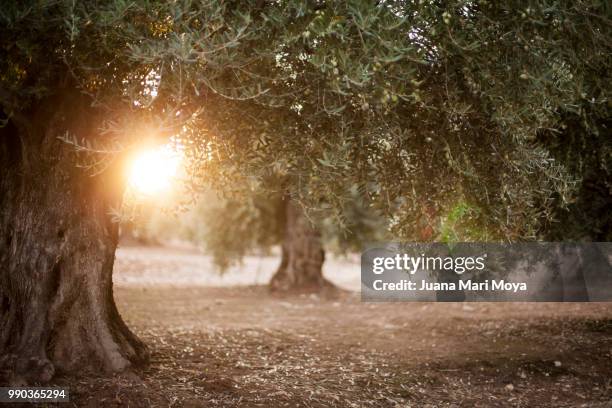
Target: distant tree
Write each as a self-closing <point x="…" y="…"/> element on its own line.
<point x="428" y="108"/>
<point x="303" y="254"/>
<point x="257" y="221"/>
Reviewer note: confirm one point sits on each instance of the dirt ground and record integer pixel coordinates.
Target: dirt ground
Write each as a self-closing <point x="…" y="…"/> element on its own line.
<point x="240" y="346"/>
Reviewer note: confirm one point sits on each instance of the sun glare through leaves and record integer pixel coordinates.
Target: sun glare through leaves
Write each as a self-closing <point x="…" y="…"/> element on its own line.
<point x="154" y="171"/>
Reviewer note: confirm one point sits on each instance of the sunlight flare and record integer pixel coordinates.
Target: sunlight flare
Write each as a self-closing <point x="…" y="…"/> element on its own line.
<point x="154" y="171"/>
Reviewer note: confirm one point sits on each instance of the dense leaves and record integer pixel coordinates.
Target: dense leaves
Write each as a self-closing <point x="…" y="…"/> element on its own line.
<point x="470" y="119"/>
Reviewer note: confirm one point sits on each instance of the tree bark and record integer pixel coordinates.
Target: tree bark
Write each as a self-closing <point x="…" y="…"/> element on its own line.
<point x="57" y="248"/>
<point x="301" y="267"/>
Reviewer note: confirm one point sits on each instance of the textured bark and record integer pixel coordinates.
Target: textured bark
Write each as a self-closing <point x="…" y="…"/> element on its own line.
<point x="57" y="246"/>
<point x="301" y="267"/>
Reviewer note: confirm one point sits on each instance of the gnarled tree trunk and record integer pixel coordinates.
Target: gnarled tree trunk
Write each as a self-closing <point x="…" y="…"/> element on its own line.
<point x="57" y="248"/>
<point x="301" y="267"/>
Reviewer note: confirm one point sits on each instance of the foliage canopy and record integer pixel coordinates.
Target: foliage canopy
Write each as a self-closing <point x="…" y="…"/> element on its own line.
<point x="490" y="116"/>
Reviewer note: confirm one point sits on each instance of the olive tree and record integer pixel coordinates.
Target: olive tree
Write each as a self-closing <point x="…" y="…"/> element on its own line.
<point x="438" y="112"/>
<point x="260" y="218"/>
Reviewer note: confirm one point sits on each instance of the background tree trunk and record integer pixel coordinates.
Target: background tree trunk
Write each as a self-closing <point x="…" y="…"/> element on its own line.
<point x="57" y="248"/>
<point x="301" y="267"/>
